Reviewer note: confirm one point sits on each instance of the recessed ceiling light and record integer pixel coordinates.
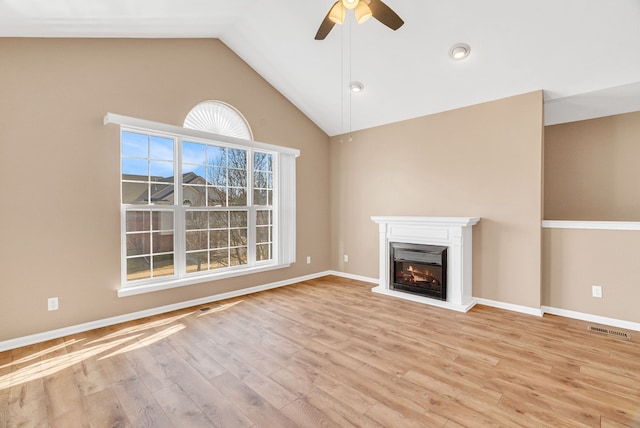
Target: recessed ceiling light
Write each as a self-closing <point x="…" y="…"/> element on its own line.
<point x="459" y="51"/>
<point x="356" y="87"/>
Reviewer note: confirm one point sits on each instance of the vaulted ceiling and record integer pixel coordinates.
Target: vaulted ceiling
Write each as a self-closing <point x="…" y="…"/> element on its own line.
<point x="580" y="52"/>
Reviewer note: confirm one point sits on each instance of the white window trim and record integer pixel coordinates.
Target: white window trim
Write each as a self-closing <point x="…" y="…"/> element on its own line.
<point x="181" y="282"/>
<point x="149" y="125"/>
<point x="285" y="250"/>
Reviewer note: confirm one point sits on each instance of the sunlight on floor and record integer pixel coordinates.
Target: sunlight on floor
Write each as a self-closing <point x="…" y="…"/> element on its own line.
<point x="126" y="338"/>
<point x="61" y="356"/>
<point x="142" y="327"/>
<point x="39" y="354"/>
<point x="146" y="341"/>
<point x="220" y="308"/>
<point x="53" y="365"/>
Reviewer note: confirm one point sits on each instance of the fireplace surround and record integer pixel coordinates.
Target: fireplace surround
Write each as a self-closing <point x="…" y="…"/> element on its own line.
<point x="452" y="233"/>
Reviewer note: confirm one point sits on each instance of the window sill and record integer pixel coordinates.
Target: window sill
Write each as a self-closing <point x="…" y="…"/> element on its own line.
<point x="133" y="290"/>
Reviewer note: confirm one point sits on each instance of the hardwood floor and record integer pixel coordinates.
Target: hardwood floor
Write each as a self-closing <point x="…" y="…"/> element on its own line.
<point x="326" y="353"/>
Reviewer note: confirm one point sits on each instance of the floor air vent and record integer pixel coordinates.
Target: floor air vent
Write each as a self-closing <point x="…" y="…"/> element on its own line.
<point x="610" y="332"/>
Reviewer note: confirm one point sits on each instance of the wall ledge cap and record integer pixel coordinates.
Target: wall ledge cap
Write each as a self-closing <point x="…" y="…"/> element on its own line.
<point x="591" y="225"/>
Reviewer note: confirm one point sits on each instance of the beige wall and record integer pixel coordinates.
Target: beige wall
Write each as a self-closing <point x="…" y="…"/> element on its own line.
<point x="484" y="160"/>
<point x="59" y="167"/>
<point x="591" y="173"/>
<point x="574" y="260"/>
<point x="591" y="169"/>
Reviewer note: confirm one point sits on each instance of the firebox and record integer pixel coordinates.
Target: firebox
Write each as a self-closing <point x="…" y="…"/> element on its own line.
<point x="419" y="269"/>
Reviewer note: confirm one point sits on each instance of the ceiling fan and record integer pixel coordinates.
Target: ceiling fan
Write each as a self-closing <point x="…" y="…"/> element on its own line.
<point x="364" y="9"/>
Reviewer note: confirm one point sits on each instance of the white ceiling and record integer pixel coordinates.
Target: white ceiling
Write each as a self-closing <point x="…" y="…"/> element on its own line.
<point x="566" y="47"/>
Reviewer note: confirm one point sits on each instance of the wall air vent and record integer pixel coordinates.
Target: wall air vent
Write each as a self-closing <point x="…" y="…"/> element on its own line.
<point x="609" y="332"/>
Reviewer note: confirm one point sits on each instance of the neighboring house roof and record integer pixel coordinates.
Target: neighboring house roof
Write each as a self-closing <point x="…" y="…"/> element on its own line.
<point x="162" y="189"/>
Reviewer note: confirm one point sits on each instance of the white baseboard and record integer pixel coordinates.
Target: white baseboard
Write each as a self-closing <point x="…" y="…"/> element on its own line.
<point x="80" y="328"/>
<point x="538" y="312"/>
<point x="477" y="300"/>
<point x="352" y="276"/>
<point x="597" y="319"/>
<point x="510" y="307"/>
<point x="613" y="322"/>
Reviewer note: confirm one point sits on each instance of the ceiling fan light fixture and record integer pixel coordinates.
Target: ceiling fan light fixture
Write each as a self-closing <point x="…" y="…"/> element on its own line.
<point x="337" y="13"/>
<point x="364" y="9"/>
<point x="350" y="4"/>
<point x="459" y="51"/>
<point x="363" y="12"/>
<point x="356" y="87"/>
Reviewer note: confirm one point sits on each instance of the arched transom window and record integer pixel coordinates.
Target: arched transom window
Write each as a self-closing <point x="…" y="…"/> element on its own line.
<point x="219" y="118"/>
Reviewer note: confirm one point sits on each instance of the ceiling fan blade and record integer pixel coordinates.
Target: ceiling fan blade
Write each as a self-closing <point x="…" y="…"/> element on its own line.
<point x="385" y="14"/>
<point x="325" y="27"/>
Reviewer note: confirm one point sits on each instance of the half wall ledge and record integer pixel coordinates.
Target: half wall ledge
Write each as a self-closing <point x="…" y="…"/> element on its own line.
<point x="591" y="225"/>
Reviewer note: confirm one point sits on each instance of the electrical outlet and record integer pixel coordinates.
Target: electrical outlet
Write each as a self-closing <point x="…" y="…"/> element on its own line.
<point x="308" y="260"/>
<point x="596" y="291"/>
<point x="52" y="304"/>
<point x="346" y="258"/>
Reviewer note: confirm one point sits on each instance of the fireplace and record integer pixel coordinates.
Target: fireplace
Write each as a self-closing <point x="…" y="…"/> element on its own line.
<point x="453" y="233"/>
<point x="419" y="269"/>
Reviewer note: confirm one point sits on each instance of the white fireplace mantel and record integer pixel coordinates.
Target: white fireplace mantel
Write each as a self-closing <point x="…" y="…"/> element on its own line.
<point x="453" y="232"/>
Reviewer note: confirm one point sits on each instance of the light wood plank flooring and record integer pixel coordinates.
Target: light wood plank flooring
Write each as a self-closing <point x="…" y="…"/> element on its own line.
<point x="326" y="353"/>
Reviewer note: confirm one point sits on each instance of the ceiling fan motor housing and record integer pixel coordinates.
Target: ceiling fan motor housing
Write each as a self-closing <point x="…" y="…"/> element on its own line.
<point x="364" y="9"/>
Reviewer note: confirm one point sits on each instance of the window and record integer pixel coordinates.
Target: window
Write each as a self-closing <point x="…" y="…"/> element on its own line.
<point x="198" y="206"/>
<point x="219" y="118"/>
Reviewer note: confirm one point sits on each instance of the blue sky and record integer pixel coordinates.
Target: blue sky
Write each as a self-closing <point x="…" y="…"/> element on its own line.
<point x="144" y="155"/>
<point x="137" y="148"/>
